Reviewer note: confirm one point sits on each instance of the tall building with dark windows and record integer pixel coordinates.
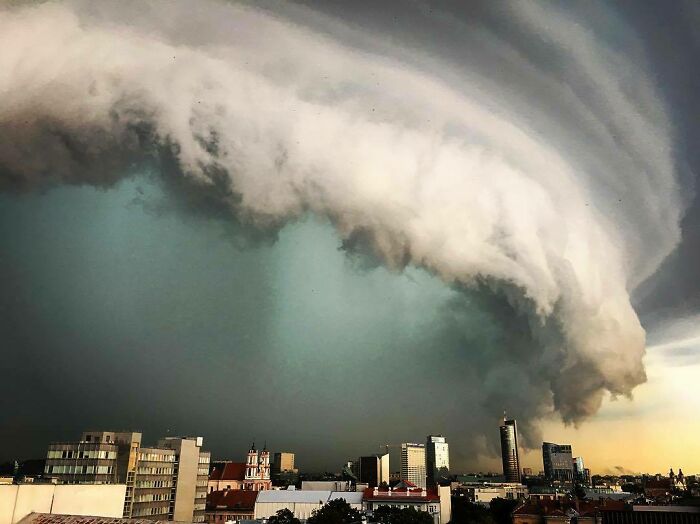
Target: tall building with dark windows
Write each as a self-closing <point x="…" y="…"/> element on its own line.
<point x="558" y="462"/>
<point x="509" y="450"/>
<point x="581" y="473"/>
<point x="374" y="469"/>
<point x="437" y="459"/>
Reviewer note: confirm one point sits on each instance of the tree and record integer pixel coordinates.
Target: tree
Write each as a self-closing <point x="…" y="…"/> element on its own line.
<point x="284" y="516"/>
<point x="465" y="512"/>
<point x="502" y="510"/>
<point x="337" y="511"/>
<point x="394" y="515"/>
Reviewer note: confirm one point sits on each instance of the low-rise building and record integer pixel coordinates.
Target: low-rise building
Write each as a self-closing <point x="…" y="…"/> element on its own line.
<point x="657" y="488"/>
<point x="651" y="515"/>
<point x="607" y="493"/>
<point x="46" y="518"/>
<point x="230" y="504"/>
<point x="484" y="492"/>
<point x="436" y="502"/>
<point x="19" y="500"/>
<point x="301" y="503"/>
<point x="226" y="475"/>
<point x="567" y="511"/>
<point x="548" y="493"/>
<point x="327" y="485"/>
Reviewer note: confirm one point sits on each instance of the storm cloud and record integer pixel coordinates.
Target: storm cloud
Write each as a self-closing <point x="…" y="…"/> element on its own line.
<point x="533" y="171"/>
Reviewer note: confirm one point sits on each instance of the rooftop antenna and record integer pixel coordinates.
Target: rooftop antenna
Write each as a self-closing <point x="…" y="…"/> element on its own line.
<point x="504" y="415"/>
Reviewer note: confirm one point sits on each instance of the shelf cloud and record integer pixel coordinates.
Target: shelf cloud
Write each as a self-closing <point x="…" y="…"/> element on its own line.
<point x="537" y="171"/>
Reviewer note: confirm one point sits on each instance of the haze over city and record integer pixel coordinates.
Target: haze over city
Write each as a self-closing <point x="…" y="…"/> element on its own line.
<point x="333" y="226"/>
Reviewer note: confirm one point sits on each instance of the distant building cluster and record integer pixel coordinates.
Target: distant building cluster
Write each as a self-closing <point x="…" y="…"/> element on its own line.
<point x="560" y="466"/>
<point x="113" y="478"/>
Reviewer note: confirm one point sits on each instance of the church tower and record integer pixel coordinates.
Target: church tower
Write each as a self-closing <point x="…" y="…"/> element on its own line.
<point x="251" y="466"/>
<point x="264" y="463"/>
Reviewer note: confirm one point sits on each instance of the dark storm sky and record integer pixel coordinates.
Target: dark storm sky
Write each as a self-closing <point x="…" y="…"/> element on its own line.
<point x="120" y="311"/>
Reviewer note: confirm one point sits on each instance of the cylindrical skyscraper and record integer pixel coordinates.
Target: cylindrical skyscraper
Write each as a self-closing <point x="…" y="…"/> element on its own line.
<point x="509" y="450"/>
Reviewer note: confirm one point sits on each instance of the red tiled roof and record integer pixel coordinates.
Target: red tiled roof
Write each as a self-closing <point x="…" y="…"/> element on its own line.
<point x="46" y="518"/>
<point x="405" y="484"/>
<point x="228" y="471"/>
<point x="555" y="513"/>
<point x="401" y="494"/>
<point x="528" y="509"/>
<point x="556" y="508"/>
<point x="590" y="505"/>
<point x="232" y="499"/>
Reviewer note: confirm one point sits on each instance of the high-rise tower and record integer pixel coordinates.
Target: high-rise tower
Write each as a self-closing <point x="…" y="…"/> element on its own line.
<point x="558" y="462"/>
<point x="509" y="450"/>
<point x="413" y="463"/>
<point x="437" y="459"/>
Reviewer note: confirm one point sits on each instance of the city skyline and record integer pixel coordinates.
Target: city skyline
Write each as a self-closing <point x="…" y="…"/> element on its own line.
<point x="534" y="461"/>
<point x="345" y="227"/>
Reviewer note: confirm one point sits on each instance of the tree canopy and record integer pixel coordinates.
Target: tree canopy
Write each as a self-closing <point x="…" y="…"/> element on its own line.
<point x="502" y="510"/>
<point x="336" y="511"/>
<point x="465" y="512"/>
<point x="394" y="515"/>
<point x="284" y="516"/>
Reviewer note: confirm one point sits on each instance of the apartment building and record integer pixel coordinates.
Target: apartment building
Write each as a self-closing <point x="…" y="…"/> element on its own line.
<point x="164" y="482"/>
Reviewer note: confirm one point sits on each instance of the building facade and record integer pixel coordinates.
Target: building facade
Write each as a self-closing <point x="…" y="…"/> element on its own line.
<point x="17" y="501"/>
<point x="413" y="463"/>
<point x="282" y="470"/>
<point x="582" y="474"/>
<point x="510" y="455"/>
<point x="191" y="474"/>
<point x="437" y="459"/>
<point x="301" y="503"/>
<point x="227" y="475"/>
<point x="283" y="461"/>
<point x="483" y="493"/>
<point x="257" y="470"/>
<point x="164" y="482"/>
<point x="153" y="484"/>
<point x="436" y="502"/>
<point x="230" y="505"/>
<point x="558" y="462"/>
<point x="374" y="469"/>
